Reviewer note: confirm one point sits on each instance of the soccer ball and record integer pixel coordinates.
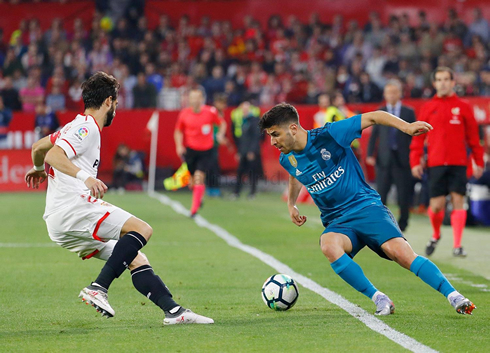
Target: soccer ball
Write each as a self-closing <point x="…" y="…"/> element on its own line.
<point x="280" y="292"/>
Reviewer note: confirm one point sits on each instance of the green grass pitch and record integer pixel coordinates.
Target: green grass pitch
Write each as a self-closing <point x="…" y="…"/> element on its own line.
<point x="40" y="282"/>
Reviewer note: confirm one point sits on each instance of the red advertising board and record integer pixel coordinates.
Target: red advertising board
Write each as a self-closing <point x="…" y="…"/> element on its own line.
<point x="14" y="164"/>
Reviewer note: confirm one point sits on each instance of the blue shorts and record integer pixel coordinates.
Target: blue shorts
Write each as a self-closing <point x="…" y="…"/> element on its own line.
<point x="371" y="226"/>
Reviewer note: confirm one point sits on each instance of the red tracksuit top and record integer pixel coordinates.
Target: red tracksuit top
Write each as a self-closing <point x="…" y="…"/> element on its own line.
<point x="455" y="129"/>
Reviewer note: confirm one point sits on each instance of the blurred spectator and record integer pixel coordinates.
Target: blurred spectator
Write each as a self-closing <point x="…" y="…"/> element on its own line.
<point x="169" y="97"/>
<point x="11" y="63"/>
<point x="128" y="168"/>
<point x="32" y="57"/>
<point x="337" y="110"/>
<point x="128" y="82"/>
<point x="479" y="26"/>
<point x="75" y="101"/>
<point x="5" y="118"/>
<point x="320" y="117"/>
<point x="410" y="89"/>
<point x="484" y="86"/>
<point x="56" y="100"/>
<point x="214" y="84"/>
<point x="375" y="65"/>
<point x="369" y="91"/>
<point x="144" y="93"/>
<point x="247" y="136"/>
<point x="31" y="95"/>
<point x="10" y="95"/>
<point x="154" y="77"/>
<point x="46" y="120"/>
<point x="233" y="96"/>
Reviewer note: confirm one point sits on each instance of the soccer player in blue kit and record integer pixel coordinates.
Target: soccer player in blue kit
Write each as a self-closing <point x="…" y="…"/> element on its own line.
<point x="351" y="211"/>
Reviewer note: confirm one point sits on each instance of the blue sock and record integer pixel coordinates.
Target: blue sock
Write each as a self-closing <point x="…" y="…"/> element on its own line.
<point x="430" y="274"/>
<point x="352" y="273"/>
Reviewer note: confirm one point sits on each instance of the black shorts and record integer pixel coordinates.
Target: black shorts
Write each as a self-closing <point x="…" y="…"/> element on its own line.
<point x="446" y="179"/>
<point x="199" y="160"/>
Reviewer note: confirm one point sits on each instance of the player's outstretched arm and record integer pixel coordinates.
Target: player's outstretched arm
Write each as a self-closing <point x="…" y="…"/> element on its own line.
<point x="37" y="175"/>
<point x="383" y="118"/>
<point x="293" y="193"/>
<point x="57" y="158"/>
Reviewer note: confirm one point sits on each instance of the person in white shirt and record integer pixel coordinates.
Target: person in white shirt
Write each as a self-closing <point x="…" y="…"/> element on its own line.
<point x="77" y="218"/>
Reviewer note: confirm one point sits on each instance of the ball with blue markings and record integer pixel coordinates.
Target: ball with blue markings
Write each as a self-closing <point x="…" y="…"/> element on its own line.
<point x="280" y="292"/>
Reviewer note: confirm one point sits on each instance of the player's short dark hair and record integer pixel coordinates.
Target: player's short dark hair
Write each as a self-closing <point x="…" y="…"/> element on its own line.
<point x="442" y="69"/>
<point x="281" y="114"/>
<point x="98" y="88"/>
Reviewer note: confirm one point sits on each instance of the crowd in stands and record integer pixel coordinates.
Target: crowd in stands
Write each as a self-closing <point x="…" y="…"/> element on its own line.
<point x="286" y="60"/>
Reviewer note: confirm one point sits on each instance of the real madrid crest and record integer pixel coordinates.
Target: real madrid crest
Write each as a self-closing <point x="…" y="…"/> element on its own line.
<point x="326" y="155"/>
<point x="293" y="161"/>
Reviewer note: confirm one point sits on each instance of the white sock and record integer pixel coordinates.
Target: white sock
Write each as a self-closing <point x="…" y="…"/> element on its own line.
<point x="375" y="295"/>
<point x="452" y="295"/>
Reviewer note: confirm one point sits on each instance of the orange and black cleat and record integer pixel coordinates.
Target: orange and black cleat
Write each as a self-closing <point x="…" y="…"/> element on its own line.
<point x="462" y="305"/>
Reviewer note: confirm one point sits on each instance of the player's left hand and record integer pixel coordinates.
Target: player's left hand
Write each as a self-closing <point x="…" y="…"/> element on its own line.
<point x="34" y="178"/>
<point x="418" y="128"/>
<point x="477" y="172"/>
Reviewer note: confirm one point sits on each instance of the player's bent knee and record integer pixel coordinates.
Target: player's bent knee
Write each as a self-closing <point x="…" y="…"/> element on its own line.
<point x="331" y="246"/>
<point x="147" y="231"/>
<point x="399" y="252"/>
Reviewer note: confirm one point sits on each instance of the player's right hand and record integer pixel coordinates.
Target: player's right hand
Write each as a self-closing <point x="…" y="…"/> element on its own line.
<point x="418" y="171"/>
<point x="295" y="216"/>
<point x="33" y="178"/>
<point x="97" y="187"/>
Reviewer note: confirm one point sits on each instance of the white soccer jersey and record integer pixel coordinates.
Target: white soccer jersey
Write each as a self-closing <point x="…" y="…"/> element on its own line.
<point x="80" y="139"/>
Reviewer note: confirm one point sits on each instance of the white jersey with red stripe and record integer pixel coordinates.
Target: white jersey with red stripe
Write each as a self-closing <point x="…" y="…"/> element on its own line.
<point x="80" y="139"/>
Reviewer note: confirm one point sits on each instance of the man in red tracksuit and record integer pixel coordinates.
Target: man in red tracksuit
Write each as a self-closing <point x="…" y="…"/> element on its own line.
<point x="455" y="129"/>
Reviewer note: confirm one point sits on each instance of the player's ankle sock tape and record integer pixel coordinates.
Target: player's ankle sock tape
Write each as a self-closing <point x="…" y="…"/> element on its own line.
<point x="124" y="253"/>
<point x="352" y="273"/>
<point x="430" y="274"/>
<point x="151" y="286"/>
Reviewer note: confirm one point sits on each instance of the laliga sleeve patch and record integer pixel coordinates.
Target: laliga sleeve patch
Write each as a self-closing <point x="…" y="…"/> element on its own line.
<point x="81" y="133"/>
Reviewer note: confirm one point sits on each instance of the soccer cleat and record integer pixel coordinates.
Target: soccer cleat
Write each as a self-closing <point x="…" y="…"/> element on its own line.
<point x="462" y="305"/>
<point x="384" y="305"/>
<point x="431" y="246"/>
<point x="97" y="297"/>
<point x="459" y="252"/>
<point x="186" y="317"/>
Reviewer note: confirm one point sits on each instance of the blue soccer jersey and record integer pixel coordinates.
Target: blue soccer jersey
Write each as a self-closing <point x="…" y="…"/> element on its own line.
<point x="330" y="170"/>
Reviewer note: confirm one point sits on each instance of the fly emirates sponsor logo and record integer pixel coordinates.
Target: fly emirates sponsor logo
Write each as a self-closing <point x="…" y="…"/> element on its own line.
<point x="322" y="181"/>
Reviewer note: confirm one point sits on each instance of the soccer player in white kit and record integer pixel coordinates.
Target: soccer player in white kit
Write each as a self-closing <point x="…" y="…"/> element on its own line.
<point x="78" y="220"/>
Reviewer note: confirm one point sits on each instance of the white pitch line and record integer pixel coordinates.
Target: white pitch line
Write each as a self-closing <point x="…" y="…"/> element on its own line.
<point x="27" y="245"/>
<point x="368" y="319"/>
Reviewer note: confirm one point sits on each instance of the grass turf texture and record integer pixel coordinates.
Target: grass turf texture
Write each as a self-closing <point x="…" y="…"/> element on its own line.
<point x="40" y="310"/>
